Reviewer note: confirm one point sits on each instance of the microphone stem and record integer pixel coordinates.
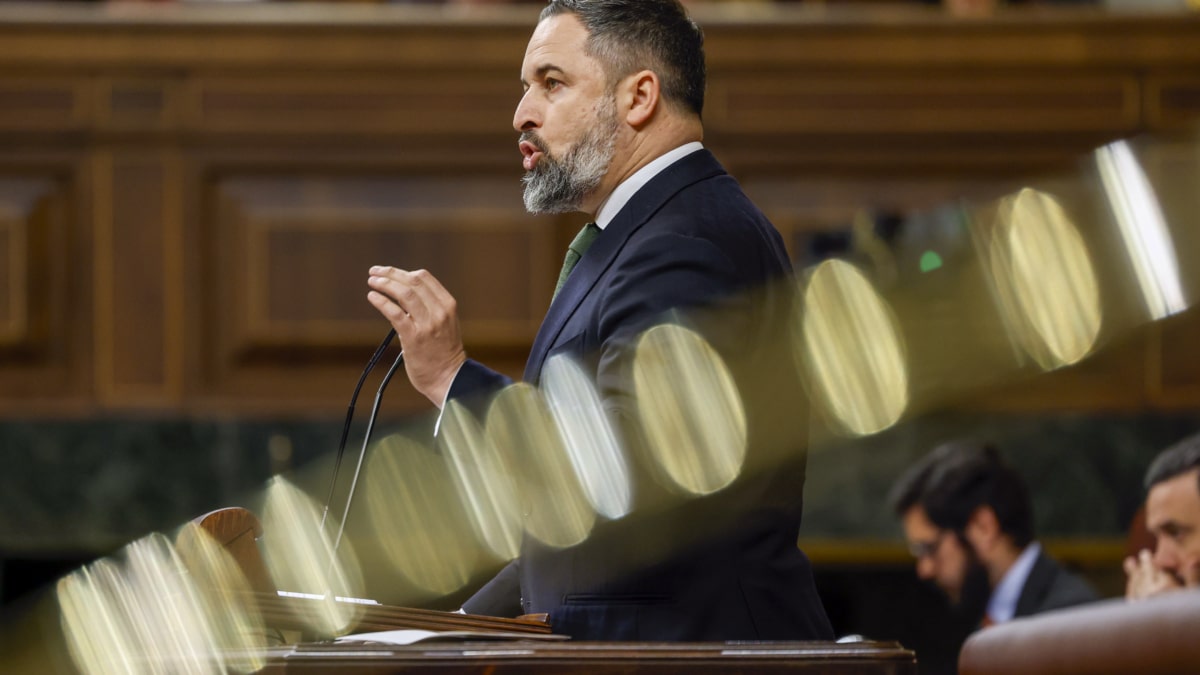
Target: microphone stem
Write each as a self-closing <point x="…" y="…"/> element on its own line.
<point x="349" y="417"/>
<point x="362" y="455"/>
<point x="338" y="461"/>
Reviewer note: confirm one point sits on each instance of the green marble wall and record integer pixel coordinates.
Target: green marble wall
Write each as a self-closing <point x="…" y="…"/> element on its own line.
<point x="92" y="485"/>
<point x="1084" y="470"/>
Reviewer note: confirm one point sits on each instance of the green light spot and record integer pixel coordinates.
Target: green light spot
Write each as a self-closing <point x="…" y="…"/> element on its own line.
<point x="930" y="261"/>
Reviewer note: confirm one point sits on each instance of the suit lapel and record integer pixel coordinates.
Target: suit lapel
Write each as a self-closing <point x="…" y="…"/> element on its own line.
<point x="648" y="200"/>
<point x="1037" y="585"/>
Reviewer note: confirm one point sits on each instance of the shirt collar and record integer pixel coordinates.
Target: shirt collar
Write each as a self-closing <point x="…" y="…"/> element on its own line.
<point x="630" y="186"/>
<point x="1002" y="606"/>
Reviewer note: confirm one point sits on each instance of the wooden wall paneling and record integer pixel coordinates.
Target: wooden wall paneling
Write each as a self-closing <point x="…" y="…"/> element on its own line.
<point x="191" y="120"/>
<point x="305" y="281"/>
<point x="15" y="256"/>
<point x="804" y="205"/>
<point x="916" y="102"/>
<point x="949" y="123"/>
<point x="1172" y="164"/>
<point x="466" y="102"/>
<point x="44" y="103"/>
<point x="1173" y="167"/>
<point x="943" y="335"/>
<point x="1113" y="374"/>
<point x="1173" y="100"/>
<point x="874" y="156"/>
<point x="138" y="104"/>
<point x="787" y="36"/>
<point x="138" y="278"/>
<point x="44" y="318"/>
<point x="291" y="254"/>
<point x="1174" y="380"/>
<point x="296" y="38"/>
<point x="1113" y="378"/>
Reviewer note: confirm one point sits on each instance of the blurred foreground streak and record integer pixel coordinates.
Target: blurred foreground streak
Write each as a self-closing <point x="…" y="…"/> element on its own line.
<point x="865" y="348"/>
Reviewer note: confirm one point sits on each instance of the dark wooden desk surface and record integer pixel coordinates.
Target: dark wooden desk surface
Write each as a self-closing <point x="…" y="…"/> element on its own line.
<point x="536" y="658"/>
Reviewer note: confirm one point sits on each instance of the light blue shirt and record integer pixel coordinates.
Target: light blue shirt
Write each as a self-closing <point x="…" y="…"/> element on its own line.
<point x="1002" y="606"/>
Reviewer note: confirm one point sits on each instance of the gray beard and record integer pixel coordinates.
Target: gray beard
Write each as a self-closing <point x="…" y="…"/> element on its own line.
<point x="560" y="186"/>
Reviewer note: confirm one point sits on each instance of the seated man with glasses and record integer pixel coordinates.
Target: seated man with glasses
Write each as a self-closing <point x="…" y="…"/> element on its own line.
<point x="968" y="520"/>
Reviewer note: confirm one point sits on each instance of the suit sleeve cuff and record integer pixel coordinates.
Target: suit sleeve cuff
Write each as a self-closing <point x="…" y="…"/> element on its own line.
<point x="473" y="383"/>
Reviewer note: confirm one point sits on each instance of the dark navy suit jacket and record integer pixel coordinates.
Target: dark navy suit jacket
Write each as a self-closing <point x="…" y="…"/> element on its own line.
<point x="1050" y="586"/>
<point x="730" y="567"/>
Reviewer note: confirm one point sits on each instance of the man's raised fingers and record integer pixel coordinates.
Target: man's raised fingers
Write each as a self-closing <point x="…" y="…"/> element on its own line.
<point x="426" y="283"/>
<point x="402" y="292"/>
<point x="390" y="310"/>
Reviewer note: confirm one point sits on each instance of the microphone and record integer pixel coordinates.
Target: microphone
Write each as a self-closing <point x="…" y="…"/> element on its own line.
<point x="350" y="416"/>
<point x="363" y="452"/>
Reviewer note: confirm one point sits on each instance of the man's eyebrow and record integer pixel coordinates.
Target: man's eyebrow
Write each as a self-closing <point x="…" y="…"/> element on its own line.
<point x="1168" y="526"/>
<point x="541" y="72"/>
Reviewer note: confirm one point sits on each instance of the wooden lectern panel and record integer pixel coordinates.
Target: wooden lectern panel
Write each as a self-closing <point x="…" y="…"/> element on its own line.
<point x="625" y="658"/>
<point x="237" y="531"/>
<point x="292" y="613"/>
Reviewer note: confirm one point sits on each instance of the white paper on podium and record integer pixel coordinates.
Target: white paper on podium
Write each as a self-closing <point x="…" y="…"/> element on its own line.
<point x="410" y="636"/>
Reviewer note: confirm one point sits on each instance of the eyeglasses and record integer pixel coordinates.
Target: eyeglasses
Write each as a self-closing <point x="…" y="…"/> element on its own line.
<point x="927" y="549"/>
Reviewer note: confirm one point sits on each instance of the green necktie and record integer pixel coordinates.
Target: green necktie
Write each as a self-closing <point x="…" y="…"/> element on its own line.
<point x="574" y="252"/>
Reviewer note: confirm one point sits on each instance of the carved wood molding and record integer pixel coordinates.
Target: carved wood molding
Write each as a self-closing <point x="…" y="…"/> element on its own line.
<point x="386" y="128"/>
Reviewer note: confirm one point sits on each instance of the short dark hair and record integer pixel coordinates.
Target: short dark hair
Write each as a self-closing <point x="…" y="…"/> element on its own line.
<point x="955" y="479"/>
<point x="630" y="35"/>
<point x="1176" y="460"/>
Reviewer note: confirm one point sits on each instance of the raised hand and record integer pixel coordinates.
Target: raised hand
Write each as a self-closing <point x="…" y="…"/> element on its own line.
<point x="1145" y="579"/>
<point x="425" y="317"/>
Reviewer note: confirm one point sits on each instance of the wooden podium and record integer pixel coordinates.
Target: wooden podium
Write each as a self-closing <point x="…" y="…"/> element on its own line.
<point x="237" y="530"/>
<point x="288" y="613"/>
<point x="596" y="658"/>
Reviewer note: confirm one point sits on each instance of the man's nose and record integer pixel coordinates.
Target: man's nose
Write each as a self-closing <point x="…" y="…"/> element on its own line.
<point x="526" y="117"/>
<point x="924" y="568"/>
<point x="1165" y="556"/>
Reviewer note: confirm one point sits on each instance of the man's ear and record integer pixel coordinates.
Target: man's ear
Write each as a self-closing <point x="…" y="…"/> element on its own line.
<point x="983" y="529"/>
<point x="642" y="96"/>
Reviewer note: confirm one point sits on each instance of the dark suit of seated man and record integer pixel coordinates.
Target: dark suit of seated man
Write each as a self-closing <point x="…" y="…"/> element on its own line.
<point x="610" y="126"/>
<point x="968" y="519"/>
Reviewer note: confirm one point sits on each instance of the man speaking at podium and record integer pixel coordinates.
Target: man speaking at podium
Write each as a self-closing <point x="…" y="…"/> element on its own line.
<point x="610" y="126"/>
